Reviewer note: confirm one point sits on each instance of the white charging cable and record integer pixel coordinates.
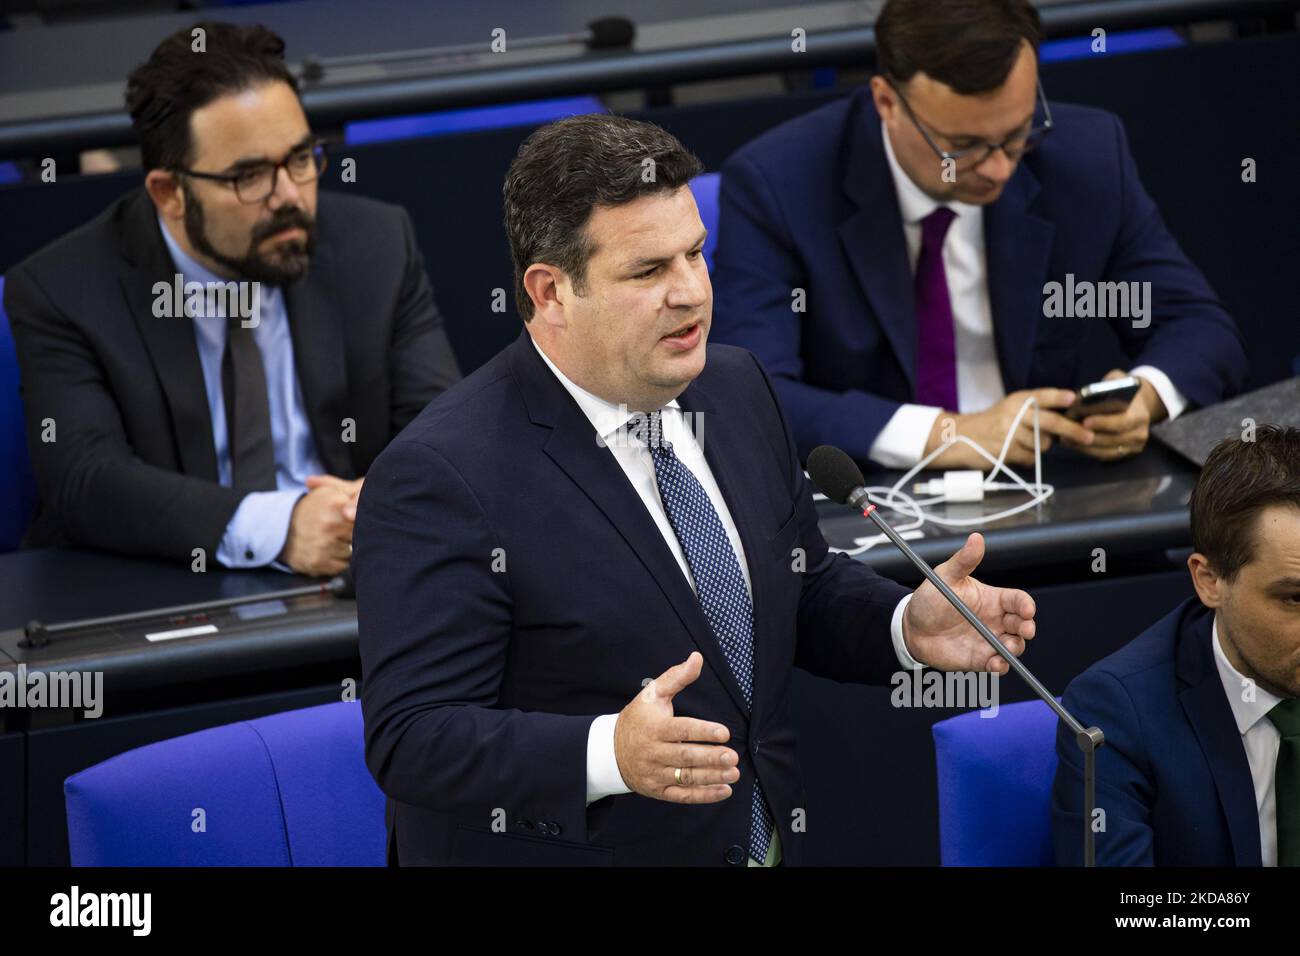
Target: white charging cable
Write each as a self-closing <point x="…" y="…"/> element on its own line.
<point x="958" y="486"/>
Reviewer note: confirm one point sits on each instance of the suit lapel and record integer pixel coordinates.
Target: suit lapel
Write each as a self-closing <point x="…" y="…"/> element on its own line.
<point x="873" y="237"/>
<point x="169" y="340"/>
<point x="319" y="359"/>
<point x="572" y="446"/>
<point x="1017" y="246"/>
<point x="1211" y="717"/>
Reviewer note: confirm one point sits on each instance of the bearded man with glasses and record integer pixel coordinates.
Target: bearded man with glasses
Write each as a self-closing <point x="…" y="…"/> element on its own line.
<point x="890" y="257"/>
<point x="225" y="350"/>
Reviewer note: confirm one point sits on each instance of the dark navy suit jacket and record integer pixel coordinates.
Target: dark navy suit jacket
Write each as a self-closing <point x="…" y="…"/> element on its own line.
<point x="1172" y="777"/>
<point x="511" y="587"/>
<point x="811" y="205"/>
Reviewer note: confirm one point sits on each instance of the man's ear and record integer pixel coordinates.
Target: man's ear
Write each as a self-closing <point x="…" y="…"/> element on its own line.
<point x="547" y="286"/>
<point x="1209" y="585"/>
<point x="164" y="189"/>
<point x="885" y="98"/>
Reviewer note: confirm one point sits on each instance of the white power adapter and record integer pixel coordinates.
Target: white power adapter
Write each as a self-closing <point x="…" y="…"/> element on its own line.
<point x="954" y="486"/>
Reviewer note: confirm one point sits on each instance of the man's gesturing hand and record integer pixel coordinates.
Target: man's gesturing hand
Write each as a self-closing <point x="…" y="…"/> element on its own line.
<point x="935" y="632"/>
<point x="650" y="744"/>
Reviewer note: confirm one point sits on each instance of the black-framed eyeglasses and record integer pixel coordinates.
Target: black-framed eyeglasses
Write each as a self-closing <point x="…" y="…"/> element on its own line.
<point x="253" y="183"/>
<point x="1013" y="146"/>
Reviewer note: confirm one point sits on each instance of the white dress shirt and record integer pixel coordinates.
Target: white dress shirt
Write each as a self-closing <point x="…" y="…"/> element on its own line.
<point x="633" y="456"/>
<point x="1259" y="738"/>
<point x="901" y="443"/>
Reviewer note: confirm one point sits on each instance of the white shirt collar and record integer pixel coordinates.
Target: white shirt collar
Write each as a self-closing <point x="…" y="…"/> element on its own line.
<point x="606" y="417"/>
<point x="1247" y="713"/>
<point x="913" y="202"/>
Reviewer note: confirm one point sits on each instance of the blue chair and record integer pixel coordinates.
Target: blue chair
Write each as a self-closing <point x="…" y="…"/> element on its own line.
<point x="291" y="789"/>
<point x="995" y="786"/>
<point x="705" y="187"/>
<point x="443" y="122"/>
<point x="17" y="484"/>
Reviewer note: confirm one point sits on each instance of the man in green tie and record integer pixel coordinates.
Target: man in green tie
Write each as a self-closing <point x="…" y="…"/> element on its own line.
<point x="1201" y="711"/>
<point x="1285" y="716"/>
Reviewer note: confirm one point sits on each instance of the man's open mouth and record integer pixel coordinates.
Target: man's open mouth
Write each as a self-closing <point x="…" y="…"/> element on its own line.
<point x="682" y="332"/>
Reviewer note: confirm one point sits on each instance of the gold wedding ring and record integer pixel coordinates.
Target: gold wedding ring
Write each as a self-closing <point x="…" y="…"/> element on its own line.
<point x="677" y="775"/>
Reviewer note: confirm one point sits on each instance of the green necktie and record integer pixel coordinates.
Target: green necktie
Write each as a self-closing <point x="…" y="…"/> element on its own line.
<point x="1286" y="781"/>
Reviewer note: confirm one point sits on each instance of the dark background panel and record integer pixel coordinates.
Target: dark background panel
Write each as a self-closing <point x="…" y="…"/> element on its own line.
<point x="1192" y="115"/>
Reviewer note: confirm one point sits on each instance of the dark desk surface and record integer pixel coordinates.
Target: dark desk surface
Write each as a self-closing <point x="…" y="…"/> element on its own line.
<point x="56" y="585"/>
<point x="1130" y="507"/>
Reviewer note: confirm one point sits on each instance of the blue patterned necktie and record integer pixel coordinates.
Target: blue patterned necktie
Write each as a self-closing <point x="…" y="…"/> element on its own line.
<point x="719" y="585"/>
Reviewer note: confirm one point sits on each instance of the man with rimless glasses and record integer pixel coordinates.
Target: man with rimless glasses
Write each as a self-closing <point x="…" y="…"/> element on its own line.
<point x="224" y="351"/>
<point x="891" y="257"/>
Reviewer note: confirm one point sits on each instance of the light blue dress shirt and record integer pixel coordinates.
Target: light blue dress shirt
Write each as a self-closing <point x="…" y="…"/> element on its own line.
<point x="258" y="529"/>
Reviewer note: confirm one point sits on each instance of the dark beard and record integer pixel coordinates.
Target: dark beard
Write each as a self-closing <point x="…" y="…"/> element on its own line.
<point x="295" y="256"/>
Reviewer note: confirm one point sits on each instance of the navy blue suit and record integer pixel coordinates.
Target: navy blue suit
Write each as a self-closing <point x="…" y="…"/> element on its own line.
<point x="1173" y="776"/>
<point x="811" y="205"/>
<point x="511" y="587"/>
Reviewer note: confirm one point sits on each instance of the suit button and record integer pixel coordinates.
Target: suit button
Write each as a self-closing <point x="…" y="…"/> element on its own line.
<point x="524" y="824"/>
<point x="735" y="855"/>
<point x="553" y="829"/>
<point x="753" y="747"/>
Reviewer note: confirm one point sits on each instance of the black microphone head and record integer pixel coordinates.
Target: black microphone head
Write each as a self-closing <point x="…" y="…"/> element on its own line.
<point x="343" y="584"/>
<point x="610" y="32"/>
<point x="834" y="473"/>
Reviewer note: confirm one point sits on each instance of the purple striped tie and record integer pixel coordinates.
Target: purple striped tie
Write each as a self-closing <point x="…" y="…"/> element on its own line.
<point x="936" y="352"/>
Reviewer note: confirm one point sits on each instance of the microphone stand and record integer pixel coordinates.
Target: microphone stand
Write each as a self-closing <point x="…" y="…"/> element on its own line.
<point x="1088" y="738"/>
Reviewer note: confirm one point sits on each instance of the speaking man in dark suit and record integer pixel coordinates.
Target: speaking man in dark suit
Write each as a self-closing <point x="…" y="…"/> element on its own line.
<point x="1201" y="712"/>
<point x="913" y="261"/>
<point x="585" y="573"/>
<point x="210" y="366"/>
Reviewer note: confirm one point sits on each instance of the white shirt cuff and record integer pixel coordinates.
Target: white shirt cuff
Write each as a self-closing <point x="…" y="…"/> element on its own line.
<point x="603" y="776"/>
<point x="901" y="443"/>
<point x="258" y="529"/>
<point x="908" y="662"/>
<point x="1174" y="400"/>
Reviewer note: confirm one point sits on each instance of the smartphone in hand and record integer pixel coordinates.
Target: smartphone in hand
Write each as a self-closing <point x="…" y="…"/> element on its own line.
<point x="1104" y="398"/>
